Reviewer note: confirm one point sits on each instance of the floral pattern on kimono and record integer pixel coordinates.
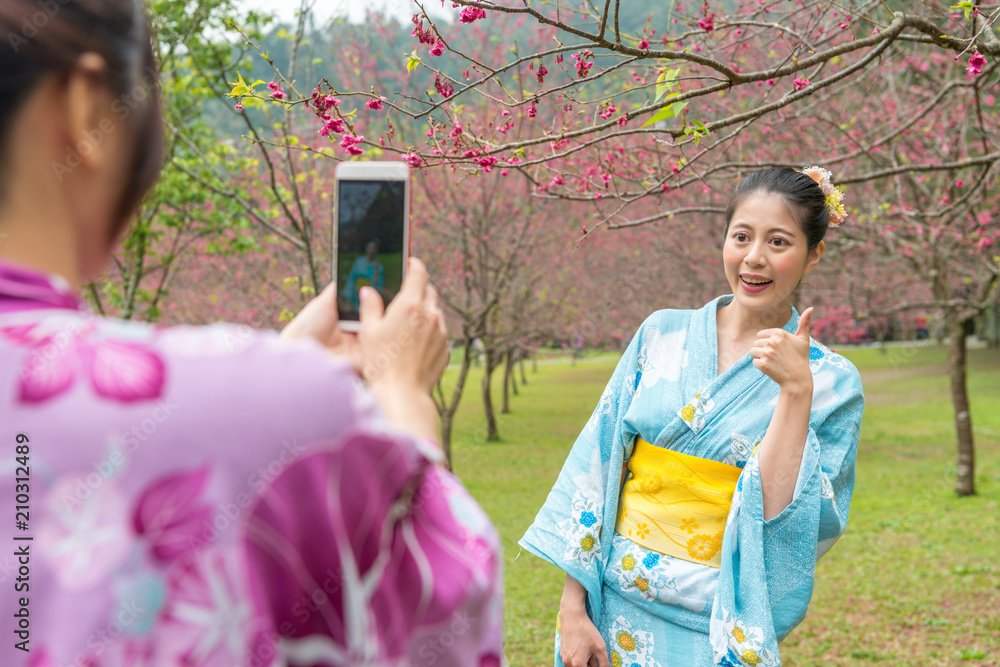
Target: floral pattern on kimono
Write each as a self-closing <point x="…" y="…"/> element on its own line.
<point x="645" y="572"/>
<point x="745" y="643"/>
<point x="629" y="646"/>
<point x="694" y="413"/>
<point x="741" y="447"/>
<point x="62" y="350"/>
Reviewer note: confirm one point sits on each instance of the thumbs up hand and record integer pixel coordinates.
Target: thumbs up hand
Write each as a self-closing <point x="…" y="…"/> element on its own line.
<point x="784" y="357"/>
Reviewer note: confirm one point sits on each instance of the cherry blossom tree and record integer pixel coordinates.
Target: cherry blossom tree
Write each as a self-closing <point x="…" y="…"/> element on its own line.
<point x="655" y="121"/>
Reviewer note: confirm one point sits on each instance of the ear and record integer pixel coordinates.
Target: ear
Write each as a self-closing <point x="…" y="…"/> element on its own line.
<point x="87" y="122"/>
<point x="813" y="257"/>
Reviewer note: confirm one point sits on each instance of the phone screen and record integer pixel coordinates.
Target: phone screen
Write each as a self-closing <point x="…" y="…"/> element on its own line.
<point x="370" y="226"/>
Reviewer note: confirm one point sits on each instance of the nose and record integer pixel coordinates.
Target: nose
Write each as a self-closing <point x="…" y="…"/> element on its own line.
<point x="755" y="254"/>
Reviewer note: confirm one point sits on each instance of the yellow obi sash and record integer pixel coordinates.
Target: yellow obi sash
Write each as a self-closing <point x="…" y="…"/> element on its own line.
<point x="676" y="504"/>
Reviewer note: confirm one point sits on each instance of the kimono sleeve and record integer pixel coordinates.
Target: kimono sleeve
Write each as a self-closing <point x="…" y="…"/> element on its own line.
<point x="768" y="567"/>
<point x="569" y="530"/>
<point x="364" y="552"/>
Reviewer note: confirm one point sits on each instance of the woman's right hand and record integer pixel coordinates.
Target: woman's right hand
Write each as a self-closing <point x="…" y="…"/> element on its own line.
<point x="405" y="344"/>
<point x="580" y="645"/>
<point x="404" y="350"/>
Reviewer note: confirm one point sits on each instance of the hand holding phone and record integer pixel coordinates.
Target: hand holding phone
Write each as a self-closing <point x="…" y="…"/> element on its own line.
<point x="318" y="320"/>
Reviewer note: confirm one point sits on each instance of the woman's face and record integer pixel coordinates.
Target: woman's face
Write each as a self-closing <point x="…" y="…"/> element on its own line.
<point x="766" y="254"/>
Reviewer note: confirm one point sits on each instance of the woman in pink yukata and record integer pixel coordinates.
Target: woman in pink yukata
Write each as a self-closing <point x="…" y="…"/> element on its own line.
<point x="203" y="496"/>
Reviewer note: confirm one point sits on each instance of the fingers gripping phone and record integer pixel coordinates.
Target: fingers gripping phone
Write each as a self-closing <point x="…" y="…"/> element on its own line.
<point x="371" y="239"/>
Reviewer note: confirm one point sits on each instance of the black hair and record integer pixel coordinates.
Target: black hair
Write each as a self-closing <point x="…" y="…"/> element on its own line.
<point x="46" y="37"/>
<point x="800" y="193"/>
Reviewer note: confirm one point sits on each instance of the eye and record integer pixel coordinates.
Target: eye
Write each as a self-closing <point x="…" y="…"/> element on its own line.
<point x="741" y="237"/>
<point x="779" y="240"/>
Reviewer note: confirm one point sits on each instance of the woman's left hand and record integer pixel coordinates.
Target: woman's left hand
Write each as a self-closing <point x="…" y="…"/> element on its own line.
<point x="784" y="357"/>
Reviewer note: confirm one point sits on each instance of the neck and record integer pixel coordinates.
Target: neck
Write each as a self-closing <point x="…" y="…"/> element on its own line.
<point x="739" y="322"/>
<point x="38" y="242"/>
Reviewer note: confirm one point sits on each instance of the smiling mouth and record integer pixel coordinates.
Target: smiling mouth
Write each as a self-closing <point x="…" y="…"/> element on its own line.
<point x="756" y="282"/>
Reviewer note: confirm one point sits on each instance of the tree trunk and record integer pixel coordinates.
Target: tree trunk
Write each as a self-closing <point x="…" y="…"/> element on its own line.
<point x="520" y="362"/>
<point x="492" y="432"/>
<point x="965" y="482"/>
<point x="991" y="325"/>
<point x="446" y="423"/>
<point x="511" y="359"/>
<point x="447" y="409"/>
<point x="506" y="383"/>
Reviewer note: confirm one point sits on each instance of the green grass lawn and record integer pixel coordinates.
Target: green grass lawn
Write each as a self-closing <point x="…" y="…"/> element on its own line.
<point x="914" y="581"/>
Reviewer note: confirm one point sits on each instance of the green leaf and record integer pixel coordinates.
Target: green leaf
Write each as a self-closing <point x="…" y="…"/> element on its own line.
<point x="666" y="82"/>
<point x="412" y="62"/>
<point x="666" y="112"/>
<point x="967" y="6"/>
<point x="240" y="87"/>
<point x="698" y="130"/>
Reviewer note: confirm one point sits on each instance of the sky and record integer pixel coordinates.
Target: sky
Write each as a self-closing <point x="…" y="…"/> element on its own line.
<point x="354" y="10"/>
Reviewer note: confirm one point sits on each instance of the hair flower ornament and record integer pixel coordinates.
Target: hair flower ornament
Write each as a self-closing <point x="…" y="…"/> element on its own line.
<point x="834" y="195"/>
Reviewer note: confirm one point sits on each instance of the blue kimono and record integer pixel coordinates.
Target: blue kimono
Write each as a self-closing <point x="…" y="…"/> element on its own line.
<point x="656" y="610"/>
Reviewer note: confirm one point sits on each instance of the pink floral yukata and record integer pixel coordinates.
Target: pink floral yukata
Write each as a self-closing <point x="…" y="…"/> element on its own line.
<point x="216" y="497"/>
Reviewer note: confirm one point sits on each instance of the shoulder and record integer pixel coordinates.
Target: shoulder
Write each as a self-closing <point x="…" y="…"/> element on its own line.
<point x="256" y="365"/>
<point x="666" y="320"/>
<point x="130" y="362"/>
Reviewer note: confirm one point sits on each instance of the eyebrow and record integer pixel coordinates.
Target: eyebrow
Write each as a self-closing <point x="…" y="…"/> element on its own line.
<point x="772" y="229"/>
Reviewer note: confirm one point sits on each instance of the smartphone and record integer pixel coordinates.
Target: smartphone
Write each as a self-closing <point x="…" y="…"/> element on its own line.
<point x="371" y="239"/>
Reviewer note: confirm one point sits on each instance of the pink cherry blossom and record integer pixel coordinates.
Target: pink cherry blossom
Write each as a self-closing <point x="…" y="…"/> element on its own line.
<point x="424" y="36"/>
<point x="800" y="83"/>
<point x="444" y="88"/>
<point x="332" y="126"/>
<point x="486" y="162"/>
<point x="708" y="23"/>
<point x="471" y="14"/>
<point x="277" y="92"/>
<point x="349" y="143"/>
<point x="437" y="49"/>
<point x="976" y="63"/>
<point x="374" y="104"/>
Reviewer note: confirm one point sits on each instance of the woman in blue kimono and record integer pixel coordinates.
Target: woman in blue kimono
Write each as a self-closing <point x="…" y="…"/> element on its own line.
<point x="368" y="271"/>
<point x="718" y="465"/>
